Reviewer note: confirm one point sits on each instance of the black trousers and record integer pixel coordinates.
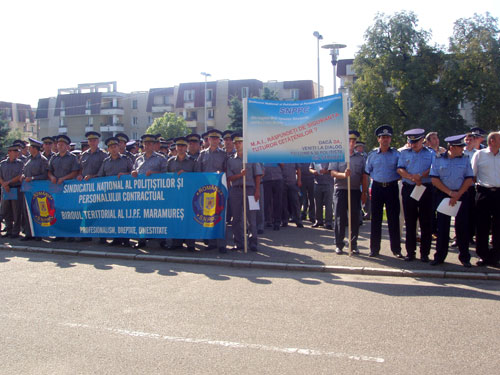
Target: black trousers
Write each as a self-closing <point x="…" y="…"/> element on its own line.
<point x="461" y="230"/>
<point x="471" y="194"/>
<point x="307" y="199"/>
<point x="389" y="196"/>
<point x="417" y="210"/>
<point x="488" y="217"/>
<point x="273" y="192"/>
<point x="341" y="218"/>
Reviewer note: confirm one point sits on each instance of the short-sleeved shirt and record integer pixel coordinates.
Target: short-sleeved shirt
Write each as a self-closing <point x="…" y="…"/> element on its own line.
<point x="175" y="164"/>
<point x="416" y="163"/>
<point x="37" y="167"/>
<point x="382" y="166"/>
<point x="486" y="167"/>
<point x="451" y="171"/>
<point x="48" y="156"/>
<point x="305" y="172"/>
<point x="273" y="172"/>
<point x="61" y="166"/>
<point x="155" y="163"/>
<point x="322" y="179"/>
<point x="10" y="169"/>
<point x="91" y="161"/>
<point x="290" y="173"/>
<point x="112" y="167"/>
<point x="211" y="161"/>
<point x="234" y="167"/>
<point x="357" y="166"/>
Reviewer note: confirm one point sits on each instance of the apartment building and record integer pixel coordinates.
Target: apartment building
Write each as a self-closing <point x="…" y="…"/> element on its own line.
<point x="20" y="117"/>
<point x="101" y="107"/>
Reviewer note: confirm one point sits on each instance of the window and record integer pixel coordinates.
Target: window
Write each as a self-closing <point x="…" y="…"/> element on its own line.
<point x="244" y="92"/>
<point x="209" y="95"/>
<point x="134" y="104"/>
<point x="210" y="113"/>
<point x="150" y="120"/>
<point x="189" y="95"/>
<point x="295" y="94"/>
<point x="61" y="122"/>
<point x="135" y="121"/>
<point x="90" y="121"/>
<point x="134" y="135"/>
<point x="87" y="104"/>
<point x="166" y="100"/>
<point x="191" y="116"/>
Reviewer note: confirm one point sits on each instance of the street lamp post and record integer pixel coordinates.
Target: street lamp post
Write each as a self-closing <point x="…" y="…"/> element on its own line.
<point x="334" y="52"/>
<point x="205" y="97"/>
<point x="318" y="36"/>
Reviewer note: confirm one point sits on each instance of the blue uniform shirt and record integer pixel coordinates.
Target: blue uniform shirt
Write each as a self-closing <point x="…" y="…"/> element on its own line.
<point x="452" y="171"/>
<point x="382" y="166"/>
<point x="415" y="163"/>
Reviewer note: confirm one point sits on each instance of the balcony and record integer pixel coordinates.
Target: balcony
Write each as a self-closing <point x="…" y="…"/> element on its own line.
<point x="163" y="108"/>
<point x="111" y="111"/>
<point x="112" y="128"/>
<point x="211" y="123"/>
<point x="89" y="128"/>
<point x="63" y="130"/>
<point x="191" y="123"/>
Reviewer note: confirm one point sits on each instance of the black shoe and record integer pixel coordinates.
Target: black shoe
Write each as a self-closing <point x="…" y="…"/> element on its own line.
<point x="317" y="224"/>
<point x="260" y="231"/>
<point x="14" y="236"/>
<point x="126" y="242"/>
<point x="5" y="235"/>
<point x="373" y="254"/>
<point x="328" y="226"/>
<point x="211" y="247"/>
<point x="409" y="258"/>
<point x="27" y="238"/>
<point x="139" y="244"/>
<point x="481" y="263"/>
<point x="115" y="242"/>
<point x="284" y="225"/>
<point x="103" y="241"/>
<point x="191" y="249"/>
<point x="222" y="250"/>
<point x="398" y="255"/>
<point x="436" y="262"/>
<point x="424" y="258"/>
<point x="467" y="264"/>
<point x="237" y="247"/>
<point x="300" y="225"/>
<point x="57" y="239"/>
<point x="254" y="249"/>
<point x="37" y="238"/>
<point x="276" y="227"/>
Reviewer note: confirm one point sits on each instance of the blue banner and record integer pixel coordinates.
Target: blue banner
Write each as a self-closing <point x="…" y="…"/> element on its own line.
<point x="296" y="131"/>
<point x="187" y="206"/>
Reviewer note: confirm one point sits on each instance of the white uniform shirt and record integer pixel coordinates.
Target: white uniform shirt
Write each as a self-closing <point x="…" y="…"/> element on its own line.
<point x="486" y="168"/>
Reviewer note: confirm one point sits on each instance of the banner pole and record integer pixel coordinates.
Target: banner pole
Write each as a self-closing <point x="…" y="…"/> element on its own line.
<point x="245" y="210"/>
<point x="349" y="209"/>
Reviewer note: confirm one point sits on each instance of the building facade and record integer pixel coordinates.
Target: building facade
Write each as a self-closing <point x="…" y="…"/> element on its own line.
<point x="19" y="117"/>
<point x="101" y="107"/>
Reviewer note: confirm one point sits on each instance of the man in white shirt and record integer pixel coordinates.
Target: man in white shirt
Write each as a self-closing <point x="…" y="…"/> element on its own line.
<point x="486" y="168"/>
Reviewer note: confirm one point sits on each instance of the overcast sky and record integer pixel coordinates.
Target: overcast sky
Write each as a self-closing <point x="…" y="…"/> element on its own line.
<point x="54" y="44"/>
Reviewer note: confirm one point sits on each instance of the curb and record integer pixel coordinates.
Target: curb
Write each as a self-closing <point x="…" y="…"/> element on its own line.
<point x="366" y="271"/>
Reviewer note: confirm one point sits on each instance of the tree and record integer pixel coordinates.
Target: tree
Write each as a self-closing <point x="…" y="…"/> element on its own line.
<point x="5" y="140"/>
<point x="169" y="126"/>
<point x="399" y="81"/>
<point x="269" y="94"/>
<point x="475" y="69"/>
<point x="235" y="114"/>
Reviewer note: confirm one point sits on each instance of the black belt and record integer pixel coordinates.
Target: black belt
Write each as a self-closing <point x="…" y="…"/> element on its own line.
<point x="491" y="189"/>
<point x="385" y="184"/>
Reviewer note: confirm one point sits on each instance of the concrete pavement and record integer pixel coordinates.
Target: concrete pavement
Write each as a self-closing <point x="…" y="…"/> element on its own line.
<point x="290" y="248"/>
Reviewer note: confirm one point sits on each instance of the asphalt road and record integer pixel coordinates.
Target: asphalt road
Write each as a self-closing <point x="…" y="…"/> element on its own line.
<point x="67" y="315"/>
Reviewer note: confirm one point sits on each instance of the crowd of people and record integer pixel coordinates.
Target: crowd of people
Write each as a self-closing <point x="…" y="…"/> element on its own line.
<point x="410" y="182"/>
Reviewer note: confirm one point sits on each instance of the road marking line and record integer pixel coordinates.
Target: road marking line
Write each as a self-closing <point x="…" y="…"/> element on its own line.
<point x="227" y="344"/>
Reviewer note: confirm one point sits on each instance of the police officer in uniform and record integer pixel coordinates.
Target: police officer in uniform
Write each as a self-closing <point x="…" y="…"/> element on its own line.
<point x="115" y="164"/>
<point x="11" y="170"/>
<point x="63" y="166"/>
<point x="91" y="160"/>
<point x="452" y="176"/>
<point x="122" y="145"/>
<point x="180" y="163"/>
<point x="291" y="187"/>
<point x="323" y="194"/>
<point x="273" y="194"/>
<point x="47" y="147"/>
<point x="307" y="193"/>
<point x="36" y="168"/>
<point x="414" y="166"/>
<point x="358" y="179"/>
<point x="193" y="145"/>
<point x="148" y="163"/>
<point x="213" y="159"/>
<point x="253" y="173"/>
<point x="381" y="165"/>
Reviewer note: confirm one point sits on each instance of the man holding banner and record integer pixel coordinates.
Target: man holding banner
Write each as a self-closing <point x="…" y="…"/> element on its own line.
<point x="11" y="170"/>
<point x="355" y="171"/>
